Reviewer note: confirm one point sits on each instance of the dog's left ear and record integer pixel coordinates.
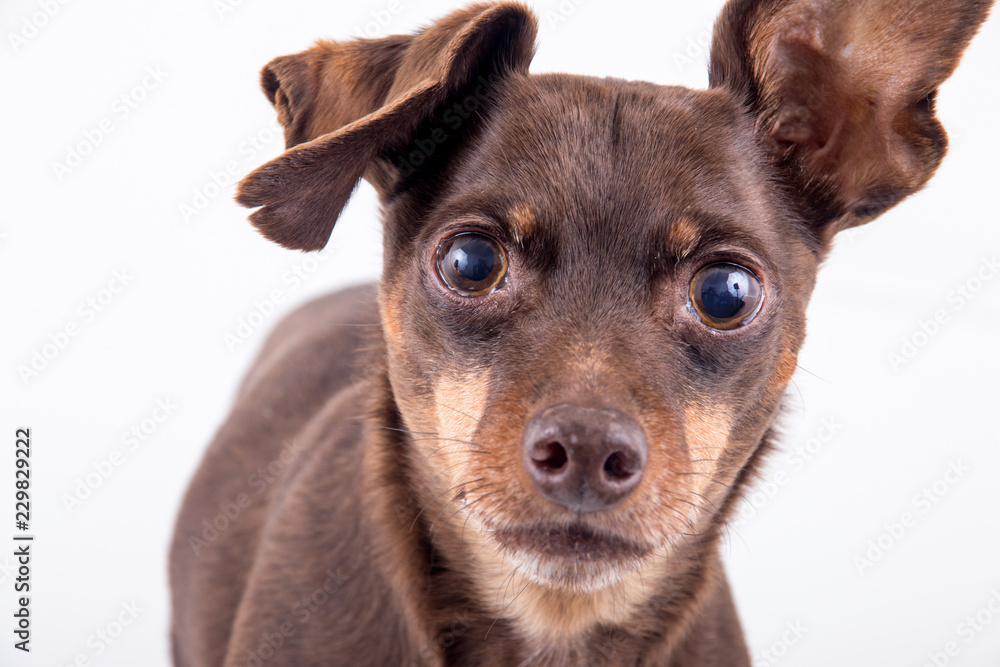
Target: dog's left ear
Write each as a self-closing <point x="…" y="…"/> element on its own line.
<point x="843" y="93"/>
<point x="348" y="108"/>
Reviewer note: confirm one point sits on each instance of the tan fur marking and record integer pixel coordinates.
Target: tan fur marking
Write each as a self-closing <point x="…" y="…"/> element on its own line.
<point x="787" y="363"/>
<point x="683" y="238"/>
<point x="392" y="320"/>
<point x="522" y="221"/>
<point x="458" y="409"/>
<point x="706" y="431"/>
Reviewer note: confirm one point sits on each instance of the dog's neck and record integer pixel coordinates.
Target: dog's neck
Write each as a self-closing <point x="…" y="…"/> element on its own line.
<point x="466" y="604"/>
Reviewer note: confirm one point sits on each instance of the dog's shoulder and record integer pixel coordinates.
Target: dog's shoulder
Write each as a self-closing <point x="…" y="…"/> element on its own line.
<point x="301" y="395"/>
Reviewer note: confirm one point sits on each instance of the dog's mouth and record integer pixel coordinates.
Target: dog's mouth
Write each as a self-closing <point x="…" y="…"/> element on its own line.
<point x="577" y="542"/>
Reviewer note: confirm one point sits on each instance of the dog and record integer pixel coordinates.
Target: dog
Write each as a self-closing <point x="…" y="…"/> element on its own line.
<point x="522" y="445"/>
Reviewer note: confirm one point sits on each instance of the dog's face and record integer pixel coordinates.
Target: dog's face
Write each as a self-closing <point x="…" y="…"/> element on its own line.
<point x="594" y="291"/>
<point x="604" y="278"/>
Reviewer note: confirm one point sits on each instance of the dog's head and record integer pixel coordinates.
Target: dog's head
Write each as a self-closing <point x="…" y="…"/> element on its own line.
<point x="594" y="290"/>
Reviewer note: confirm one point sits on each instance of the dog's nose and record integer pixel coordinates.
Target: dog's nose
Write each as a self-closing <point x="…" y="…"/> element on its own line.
<point x="584" y="459"/>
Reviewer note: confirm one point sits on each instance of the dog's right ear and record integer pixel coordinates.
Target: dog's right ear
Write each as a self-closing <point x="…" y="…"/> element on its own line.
<point x="347" y="107"/>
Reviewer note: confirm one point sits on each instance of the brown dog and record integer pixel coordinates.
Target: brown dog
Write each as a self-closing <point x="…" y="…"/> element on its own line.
<point x="593" y="298"/>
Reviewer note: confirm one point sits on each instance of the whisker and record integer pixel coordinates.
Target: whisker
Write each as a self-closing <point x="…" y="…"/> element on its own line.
<point x="717" y="510"/>
<point x="467" y="416"/>
<point x="438" y="451"/>
<point x="434" y="527"/>
<point x="710" y="477"/>
<point x="818" y="377"/>
<point x="403" y="430"/>
<point x="526" y="584"/>
<point x="471" y="481"/>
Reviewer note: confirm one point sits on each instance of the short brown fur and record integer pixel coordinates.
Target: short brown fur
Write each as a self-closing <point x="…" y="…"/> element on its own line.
<point x="373" y="500"/>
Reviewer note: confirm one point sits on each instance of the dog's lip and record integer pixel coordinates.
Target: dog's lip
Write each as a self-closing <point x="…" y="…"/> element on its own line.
<point x="577" y="541"/>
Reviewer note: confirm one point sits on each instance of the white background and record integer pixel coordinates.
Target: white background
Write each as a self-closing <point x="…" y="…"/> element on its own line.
<point x="163" y="335"/>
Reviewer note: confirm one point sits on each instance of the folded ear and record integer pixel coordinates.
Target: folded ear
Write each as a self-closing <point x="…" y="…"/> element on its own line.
<point x="346" y="106"/>
<point x="322" y="89"/>
<point x="843" y="92"/>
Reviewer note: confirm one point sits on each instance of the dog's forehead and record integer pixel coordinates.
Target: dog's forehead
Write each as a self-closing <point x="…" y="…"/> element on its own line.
<point x="602" y="150"/>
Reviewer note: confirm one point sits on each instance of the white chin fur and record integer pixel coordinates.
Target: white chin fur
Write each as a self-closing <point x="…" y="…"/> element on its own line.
<point x="563" y="573"/>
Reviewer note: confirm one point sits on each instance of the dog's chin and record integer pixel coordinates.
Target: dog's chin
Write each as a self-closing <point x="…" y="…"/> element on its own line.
<point x="574" y="556"/>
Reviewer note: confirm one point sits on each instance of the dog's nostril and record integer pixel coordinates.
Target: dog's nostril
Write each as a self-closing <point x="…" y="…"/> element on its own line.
<point x="550" y="456"/>
<point x="617" y="466"/>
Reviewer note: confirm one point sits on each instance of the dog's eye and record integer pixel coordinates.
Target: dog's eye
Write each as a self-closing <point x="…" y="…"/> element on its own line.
<point x="472" y="264"/>
<point x="725" y="295"/>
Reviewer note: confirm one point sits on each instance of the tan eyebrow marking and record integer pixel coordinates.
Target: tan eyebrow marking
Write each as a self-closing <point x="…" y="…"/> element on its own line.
<point x="522" y="221"/>
<point x="682" y="238"/>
